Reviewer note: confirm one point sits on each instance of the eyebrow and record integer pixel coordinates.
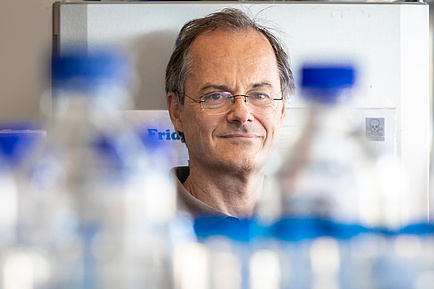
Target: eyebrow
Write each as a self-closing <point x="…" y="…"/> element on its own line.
<point x="262" y="84"/>
<point x="213" y="86"/>
<point x="226" y="88"/>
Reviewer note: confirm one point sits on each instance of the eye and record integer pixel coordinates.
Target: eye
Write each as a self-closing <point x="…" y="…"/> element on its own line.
<point x="215" y="97"/>
<point x="259" y="96"/>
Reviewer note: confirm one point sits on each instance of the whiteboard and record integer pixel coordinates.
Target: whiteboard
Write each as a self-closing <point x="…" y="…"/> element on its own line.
<point x="387" y="41"/>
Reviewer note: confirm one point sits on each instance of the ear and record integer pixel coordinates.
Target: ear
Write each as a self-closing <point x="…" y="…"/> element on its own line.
<point x="175" y="108"/>
<point x="283" y="111"/>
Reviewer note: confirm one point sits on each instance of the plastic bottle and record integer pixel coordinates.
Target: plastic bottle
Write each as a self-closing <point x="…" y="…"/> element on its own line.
<point x="331" y="172"/>
<point x="16" y="266"/>
<point x="9" y="211"/>
<point x="333" y="196"/>
<point x="93" y="198"/>
<point x="9" y="200"/>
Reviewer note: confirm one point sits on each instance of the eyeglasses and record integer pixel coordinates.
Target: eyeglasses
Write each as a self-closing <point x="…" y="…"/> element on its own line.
<point x="221" y="102"/>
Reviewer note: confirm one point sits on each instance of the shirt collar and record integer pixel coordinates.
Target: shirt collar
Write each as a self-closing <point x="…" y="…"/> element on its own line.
<point x="188" y="203"/>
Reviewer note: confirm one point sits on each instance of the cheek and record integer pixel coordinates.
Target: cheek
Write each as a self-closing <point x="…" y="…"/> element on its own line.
<point x="197" y="126"/>
<point x="273" y="126"/>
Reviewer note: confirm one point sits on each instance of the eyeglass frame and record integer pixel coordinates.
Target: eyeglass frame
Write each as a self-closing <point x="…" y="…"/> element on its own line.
<point x="200" y="100"/>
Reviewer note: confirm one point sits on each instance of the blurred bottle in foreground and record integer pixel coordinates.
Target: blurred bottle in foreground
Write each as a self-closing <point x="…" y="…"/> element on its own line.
<point x="334" y="205"/>
<point x="331" y="172"/>
<point x="8" y="203"/>
<point x="92" y="198"/>
<point x="15" y="140"/>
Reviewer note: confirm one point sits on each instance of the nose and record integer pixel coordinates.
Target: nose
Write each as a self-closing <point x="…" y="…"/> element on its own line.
<point x="240" y="112"/>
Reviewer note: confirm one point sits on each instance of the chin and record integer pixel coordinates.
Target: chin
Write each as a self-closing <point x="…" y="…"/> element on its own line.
<point x="241" y="165"/>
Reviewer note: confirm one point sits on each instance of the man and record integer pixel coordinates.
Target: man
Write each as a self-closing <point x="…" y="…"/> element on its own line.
<point x="226" y="83"/>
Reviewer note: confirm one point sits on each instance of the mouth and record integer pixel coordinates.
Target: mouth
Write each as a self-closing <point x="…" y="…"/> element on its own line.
<point x="240" y="136"/>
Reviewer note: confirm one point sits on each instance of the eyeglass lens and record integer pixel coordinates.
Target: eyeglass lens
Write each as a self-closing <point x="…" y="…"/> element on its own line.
<point x="222" y="102"/>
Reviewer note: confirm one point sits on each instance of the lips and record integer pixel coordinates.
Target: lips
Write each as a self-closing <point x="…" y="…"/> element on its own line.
<point x="241" y="135"/>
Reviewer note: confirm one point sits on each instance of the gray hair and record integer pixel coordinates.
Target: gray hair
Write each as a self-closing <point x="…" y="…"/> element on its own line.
<point x="230" y="19"/>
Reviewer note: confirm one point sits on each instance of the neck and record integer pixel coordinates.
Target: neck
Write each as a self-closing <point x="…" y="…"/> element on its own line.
<point x="233" y="194"/>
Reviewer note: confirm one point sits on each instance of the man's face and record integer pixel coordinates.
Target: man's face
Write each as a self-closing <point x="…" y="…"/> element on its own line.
<point x="239" y="140"/>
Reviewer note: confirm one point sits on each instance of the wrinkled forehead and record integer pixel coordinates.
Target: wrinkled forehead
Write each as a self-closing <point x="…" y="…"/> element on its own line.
<point x="247" y="40"/>
<point x="241" y="52"/>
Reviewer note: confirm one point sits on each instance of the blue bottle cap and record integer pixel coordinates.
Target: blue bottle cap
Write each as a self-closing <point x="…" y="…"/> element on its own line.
<point x="324" y="83"/>
<point x="230" y="227"/>
<point x="17" y="141"/>
<point x="81" y="69"/>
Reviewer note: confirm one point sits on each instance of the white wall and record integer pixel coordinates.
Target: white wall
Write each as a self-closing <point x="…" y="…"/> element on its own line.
<point x="388" y="41"/>
<point x="25" y="46"/>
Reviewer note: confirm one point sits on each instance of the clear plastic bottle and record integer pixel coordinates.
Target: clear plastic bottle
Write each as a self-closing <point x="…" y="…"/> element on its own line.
<point x="8" y="212"/>
<point x="93" y="197"/>
<point x="331" y="172"/>
<point x="332" y="193"/>
<point x="9" y="203"/>
<point x="14" y="263"/>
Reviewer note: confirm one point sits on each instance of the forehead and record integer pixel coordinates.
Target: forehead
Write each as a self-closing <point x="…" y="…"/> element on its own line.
<point x="222" y="54"/>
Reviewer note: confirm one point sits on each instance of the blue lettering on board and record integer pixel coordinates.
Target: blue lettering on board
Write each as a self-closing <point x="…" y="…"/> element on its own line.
<point x="163" y="135"/>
